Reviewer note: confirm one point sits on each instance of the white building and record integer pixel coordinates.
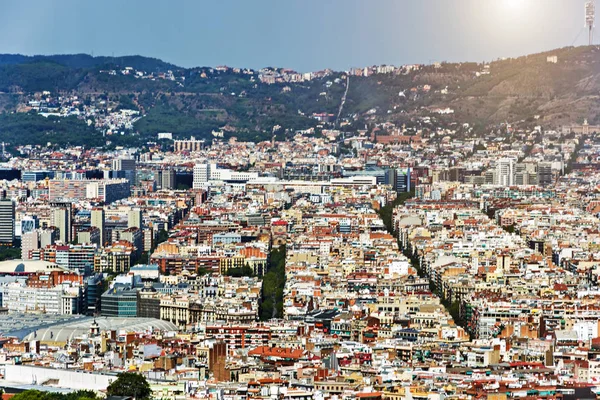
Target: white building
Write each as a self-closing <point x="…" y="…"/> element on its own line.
<point x="204" y="173"/>
<point x="586" y="330"/>
<point x="505" y="171"/>
<point x="63" y="299"/>
<point x="201" y="175"/>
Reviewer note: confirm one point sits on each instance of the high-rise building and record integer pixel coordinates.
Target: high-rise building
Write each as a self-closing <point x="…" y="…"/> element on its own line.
<point x="124" y="168"/>
<point x="135" y="236"/>
<point x="123" y="164"/>
<point x="134" y="218"/>
<point x="149" y="239"/>
<point x="27" y="224"/>
<point x="167" y="180"/>
<point x="106" y="190"/>
<point x="402" y="183"/>
<point x="109" y="190"/>
<point x="76" y="257"/>
<point x="61" y="219"/>
<point x="201" y="175"/>
<point x="505" y="171"/>
<point x="399" y="179"/>
<point x="93" y="293"/>
<point x="489" y="177"/>
<point x="544" y="173"/>
<point x="525" y="174"/>
<point x="7" y="222"/>
<point x="29" y="241"/>
<point x="48" y="237"/>
<point x="89" y="235"/>
<point x="97" y="219"/>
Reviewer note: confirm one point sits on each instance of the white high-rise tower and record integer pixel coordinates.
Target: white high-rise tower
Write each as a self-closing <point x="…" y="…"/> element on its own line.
<point x="590" y="19"/>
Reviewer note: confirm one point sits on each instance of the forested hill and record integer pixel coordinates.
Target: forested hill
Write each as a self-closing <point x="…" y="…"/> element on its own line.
<point x="77" y="61"/>
<point x="550" y="89"/>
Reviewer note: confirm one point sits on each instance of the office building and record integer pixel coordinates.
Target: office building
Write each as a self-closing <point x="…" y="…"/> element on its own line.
<point x="134" y="218"/>
<point x="90" y="235"/>
<point x="78" y="258"/>
<point x="94" y="284"/>
<point x="60" y="218"/>
<point x="167" y="180"/>
<point x="105" y="190"/>
<point x="380" y="174"/>
<point x="97" y="220"/>
<point x="7" y="222"/>
<point x="48" y="236"/>
<point x="525" y="174"/>
<point x="34" y="176"/>
<point x="201" y="175"/>
<point x="401" y="183"/>
<point x="108" y="190"/>
<point x="228" y="175"/>
<point x="10" y="174"/>
<point x="62" y="299"/>
<point x="505" y="171"/>
<point x="124" y="168"/>
<point x="544" y="174"/>
<point x="29" y="241"/>
<point x="134" y="236"/>
<point x="27" y="224"/>
<point x="119" y="301"/>
<point x="209" y="172"/>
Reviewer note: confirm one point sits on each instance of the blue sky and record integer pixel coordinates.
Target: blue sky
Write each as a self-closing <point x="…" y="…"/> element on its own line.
<point x="302" y="34"/>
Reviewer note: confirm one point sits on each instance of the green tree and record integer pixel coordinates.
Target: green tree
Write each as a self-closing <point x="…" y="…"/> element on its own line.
<point x="163" y="236"/>
<point x="39" y="395"/>
<point x="81" y="395"/>
<point x="9" y="253"/>
<point x="246" y="270"/>
<point x="130" y="384"/>
<point x="30" y="395"/>
<point x="273" y="284"/>
<point x="386" y="213"/>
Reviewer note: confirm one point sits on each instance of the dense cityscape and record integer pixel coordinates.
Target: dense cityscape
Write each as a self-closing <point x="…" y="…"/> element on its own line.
<point x="423" y="231"/>
<point x="359" y="266"/>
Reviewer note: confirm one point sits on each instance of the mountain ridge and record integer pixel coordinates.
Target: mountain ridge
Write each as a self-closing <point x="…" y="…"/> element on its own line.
<point x="551" y="88"/>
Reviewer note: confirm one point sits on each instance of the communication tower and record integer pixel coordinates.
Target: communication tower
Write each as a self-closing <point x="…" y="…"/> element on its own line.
<point x="590" y="18"/>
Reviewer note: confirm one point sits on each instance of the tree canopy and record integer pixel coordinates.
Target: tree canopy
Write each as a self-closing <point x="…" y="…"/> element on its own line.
<point x="130" y="384"/>
<point x="39" y="395"/>
<point x="273" y="283"/>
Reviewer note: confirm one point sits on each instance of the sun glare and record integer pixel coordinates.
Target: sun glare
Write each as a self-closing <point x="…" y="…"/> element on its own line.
<point x="513" y="4"/>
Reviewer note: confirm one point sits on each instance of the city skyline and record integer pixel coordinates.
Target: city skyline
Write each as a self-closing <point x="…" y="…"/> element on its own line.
<point x="332" y="35"/>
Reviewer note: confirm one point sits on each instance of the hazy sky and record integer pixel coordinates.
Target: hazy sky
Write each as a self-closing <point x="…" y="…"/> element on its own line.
<point x="301" y="34"/>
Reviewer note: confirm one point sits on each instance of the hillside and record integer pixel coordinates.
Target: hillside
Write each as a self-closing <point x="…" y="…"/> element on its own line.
<point x="198" y="101"/>
<point x="513" y="90"/>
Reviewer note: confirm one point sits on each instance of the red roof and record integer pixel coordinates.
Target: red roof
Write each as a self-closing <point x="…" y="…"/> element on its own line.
<point x="266" y="351"/>
<point x="369" y="394"/>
